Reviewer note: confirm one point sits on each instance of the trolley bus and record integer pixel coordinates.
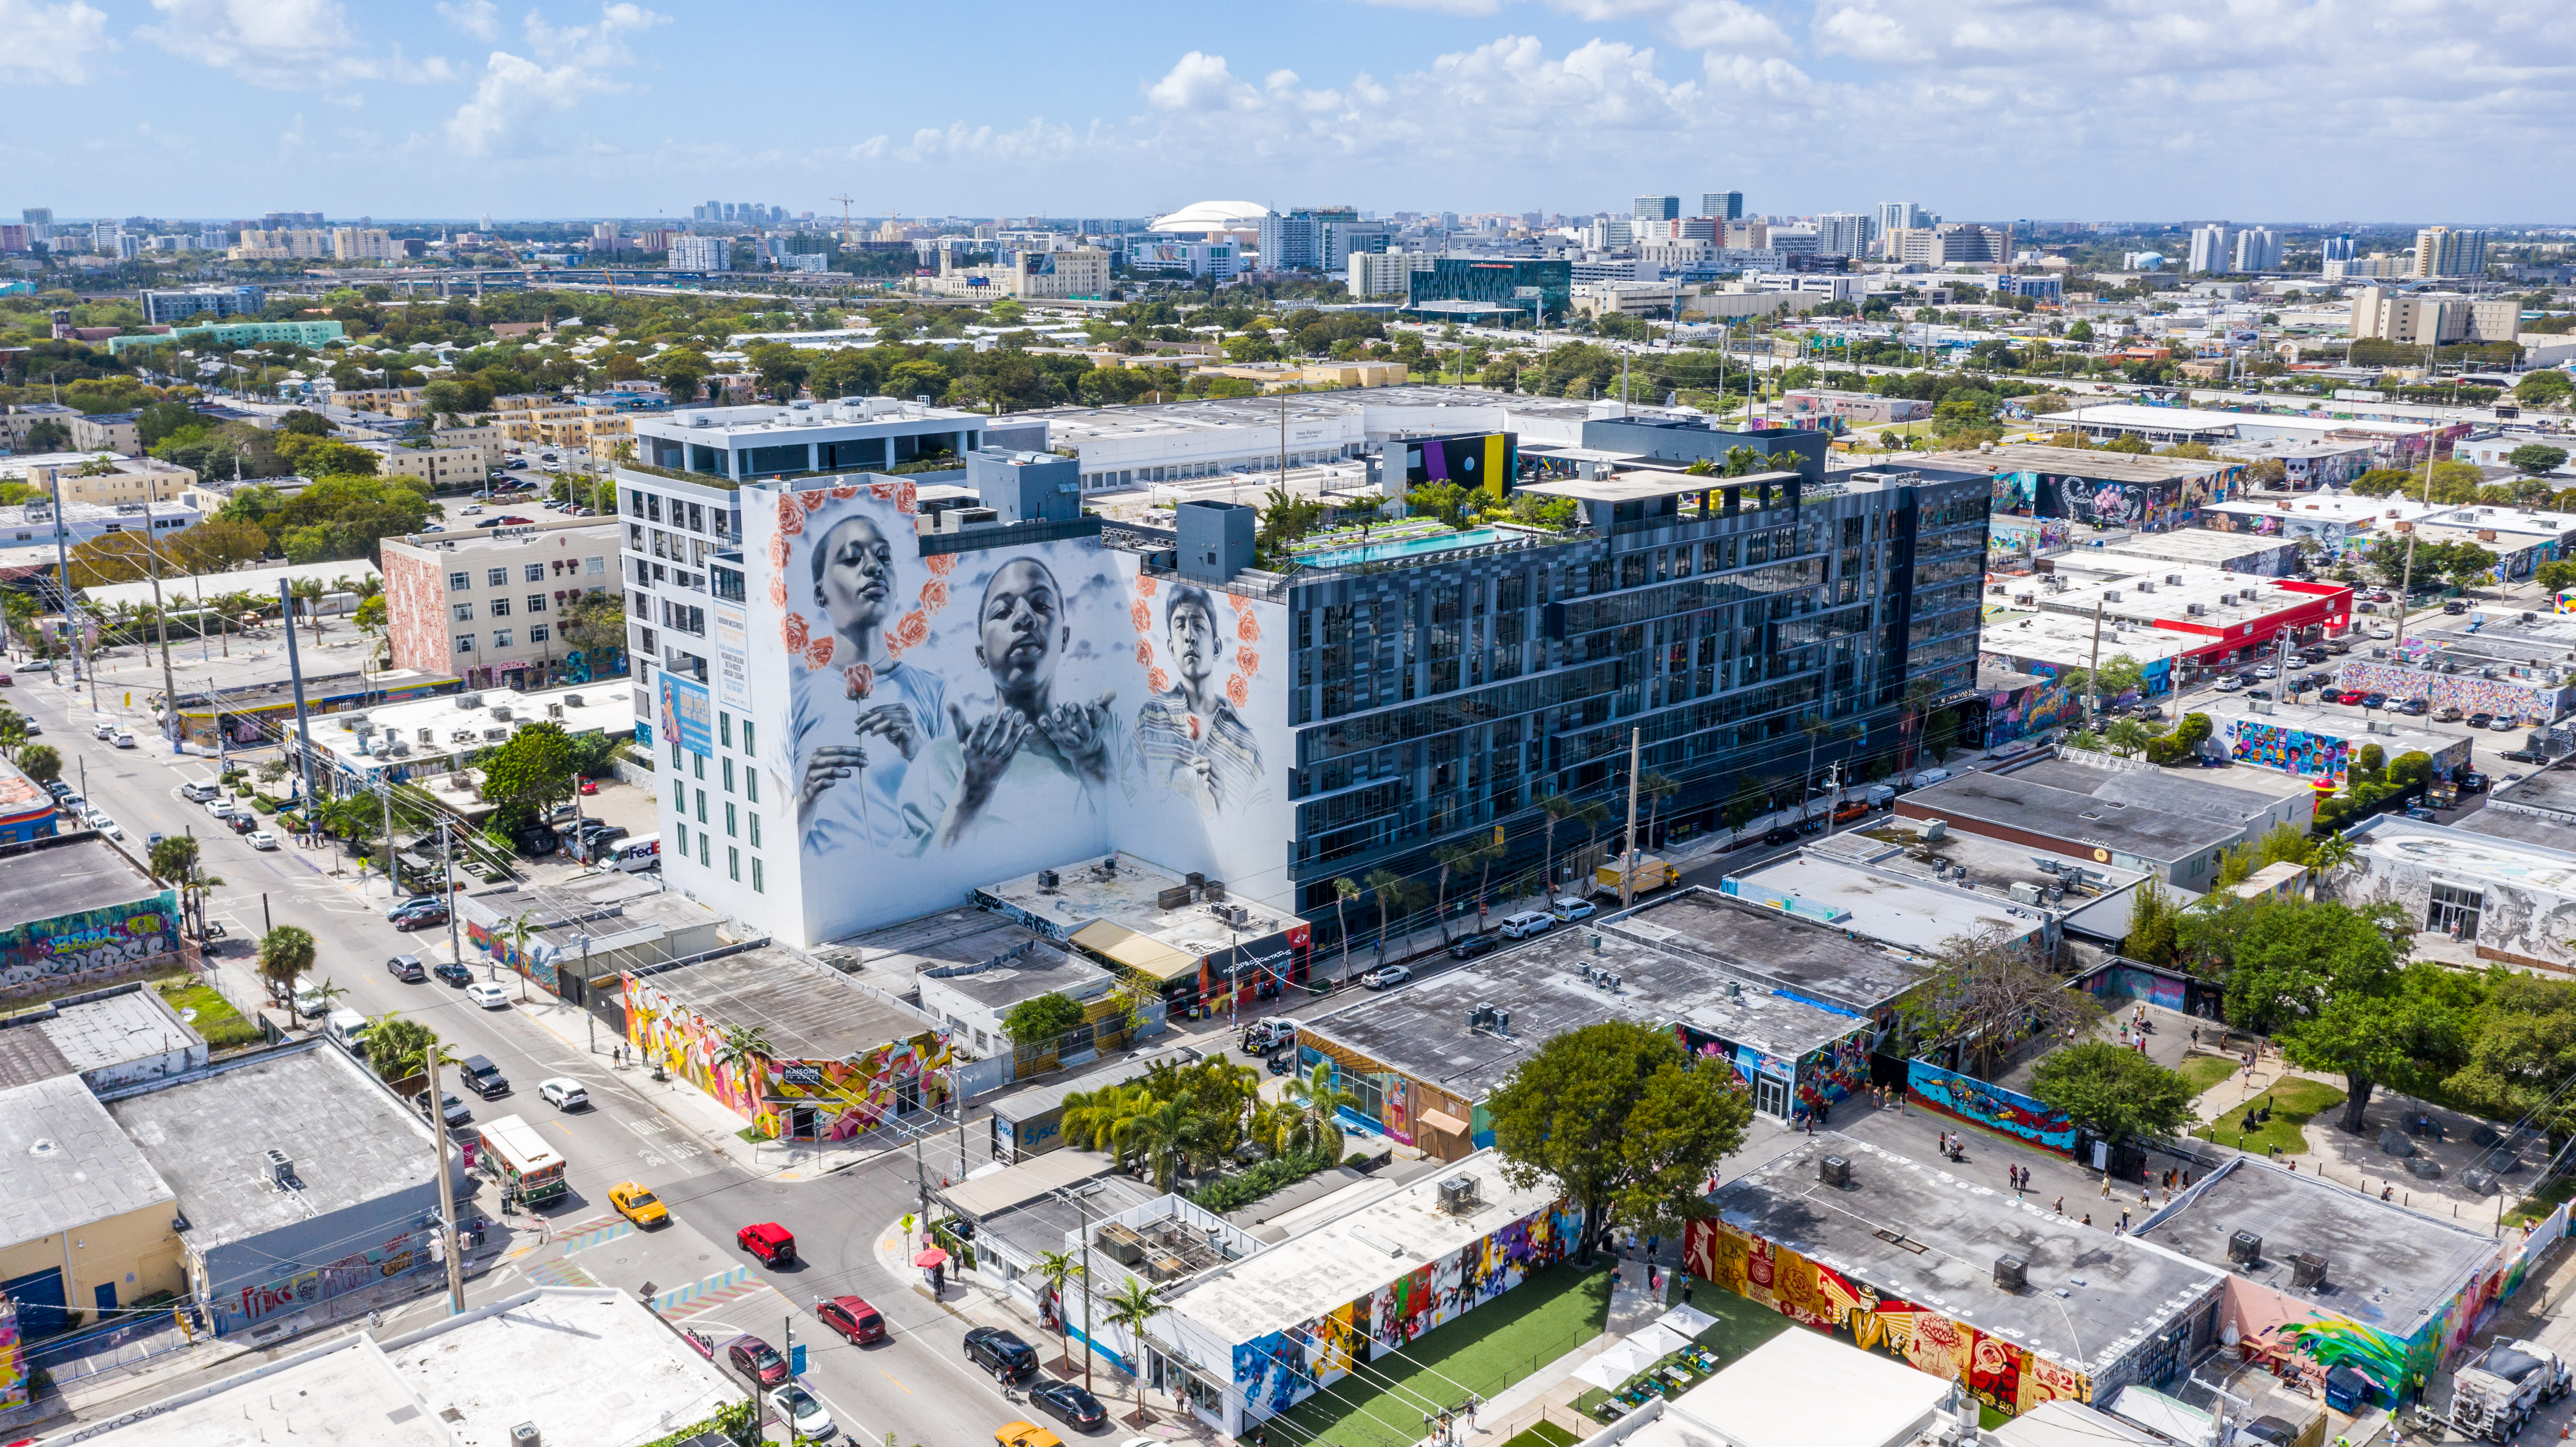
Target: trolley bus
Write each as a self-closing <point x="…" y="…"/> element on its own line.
<point x="530" y="1171"/>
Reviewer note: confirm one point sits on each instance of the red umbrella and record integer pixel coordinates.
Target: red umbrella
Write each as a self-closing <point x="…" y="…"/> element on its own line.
<point x="931" y="1257"/>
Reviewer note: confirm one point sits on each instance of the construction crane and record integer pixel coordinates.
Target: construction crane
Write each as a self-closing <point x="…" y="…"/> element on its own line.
<point x="849" y="237"/>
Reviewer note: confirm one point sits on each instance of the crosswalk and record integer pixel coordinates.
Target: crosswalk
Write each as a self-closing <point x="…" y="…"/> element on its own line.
<point x="699" y="1297"/>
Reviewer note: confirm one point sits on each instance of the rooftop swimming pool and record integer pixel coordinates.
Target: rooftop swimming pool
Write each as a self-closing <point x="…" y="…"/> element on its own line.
<point x="1402" y="548"/>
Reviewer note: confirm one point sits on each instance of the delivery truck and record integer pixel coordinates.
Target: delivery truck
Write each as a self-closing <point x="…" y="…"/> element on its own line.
<point x="1647" y="874"/>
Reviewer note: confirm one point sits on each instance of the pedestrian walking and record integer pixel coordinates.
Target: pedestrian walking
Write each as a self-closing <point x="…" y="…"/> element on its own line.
<point x="2088" y="1218"/>
<point x="1685" y="1290"/>
<point x="1653" y="1244"/>
<point x="2061" y="1205"/>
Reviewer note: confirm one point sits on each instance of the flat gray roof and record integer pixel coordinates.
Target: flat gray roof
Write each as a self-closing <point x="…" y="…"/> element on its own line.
<point x="1635" y="486"/>
<point x="810" y="1011"/>
<point x="1921" y="1234"/>
<point x="917" y="948"/>
<point x="1675" y="960"/>
<point x="2546" y="793"/>
<point x="350" y="1140"/>
<point x="2037" y="808"/>
<point x="2091" y="462"/>
<point x="2200" y="794"/>
<point x="67" y="878"/>
<point x="66" y="1038"/>
<point x="2386" y="1265"/>
<point x="65" y="1165"/>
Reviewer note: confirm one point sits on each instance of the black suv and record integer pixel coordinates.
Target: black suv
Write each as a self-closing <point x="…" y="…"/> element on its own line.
<point x="483" y="1077"/>
<point x="1004" y="1355"/>
<point x="1467" y="947"/>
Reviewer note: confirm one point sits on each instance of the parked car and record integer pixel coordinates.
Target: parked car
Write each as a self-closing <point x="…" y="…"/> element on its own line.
<point x="769" y="1241"/>
<point x="636" y="1202"/>
<point x="1070" y="1405"/>
<point x="480" y="1075"/>
<point x="2448" y="713"/>
<point x="395" y="909"/>
<point x="1526" y="923"/>
<point x="1782" y="835"/>
<point x="97" y="819"/>
<point x="407" y="968"/>
<point x="488" y="995"/>
<point x="456" y="1111"/>
<point x="563" y="1094"/>
<point x="222" y="808"/>
<point x="243" y="822"/>
<point x="2504" y="725"/>
<point x="805" y="1417"/>
<point x="426" y="918"/>
<point x="2426" y="815"/>
<point x="851" y="1316"/>
<point x="2267" y="670"/>
<point x="197" y="791"/>
<point x="123" y="739"/>
<point x="1263" y="1036"/>
<point x="2414" y="708"/>
<point x="1385" y="975"/>
<point x="452" y="972"/>
<point x="2227" y="685"/>
<point x="757" y="1360"/>
<point x="2481" y="719"/>
<point x="1468" y="947"/>
<point x="2374" y="699"/>
<point x="1570" y="908"/>
<point x="1001" y="1353"/>
<point x="260" y="839"/>
<point x="2263" y="694"/>
<point x="2455" y="607"/>
<point x="1026" y="1434"/>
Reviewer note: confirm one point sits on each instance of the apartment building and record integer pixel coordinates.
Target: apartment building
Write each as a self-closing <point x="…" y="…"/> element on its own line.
<point x="1948" y="244"/>
<point x="1384" y="273"/>
<point x="440" y="467"/>
<point x="120" y="432"/>
<point x="353" y="243"/>
<point x="2432" y="318"/>
<point x="2450" y="251"/>
<point x="483" y="605"/>
<point x="701" y="253"/>
<point x="2212" y="248"/>
<point x="83" y="479"/>
<point x="281" y="245"/>
<point x="164" y="308"/>
<point x="545" y="421"/>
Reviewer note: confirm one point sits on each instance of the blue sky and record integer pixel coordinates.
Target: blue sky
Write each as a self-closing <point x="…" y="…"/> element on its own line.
<point x="1978" y="109"/>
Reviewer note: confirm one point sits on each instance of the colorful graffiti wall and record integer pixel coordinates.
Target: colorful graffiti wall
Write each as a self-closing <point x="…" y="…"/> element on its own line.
<point x="2003" y="1375"/>
<point x="2127" y="981"/>
<point x="1276" y="1371"/>
<point x="2292" y="751"/>
<point x="13" y="1359"/>
<point x="356" y="1271"/>
<point x="2514" y="698"/>
<point x="844" y="1097"/>
<point x="2030" y="710"/>
<point x="88" y="945"/>
<point x="1964" y="1097"/>
<point x="1834" y="1073"/>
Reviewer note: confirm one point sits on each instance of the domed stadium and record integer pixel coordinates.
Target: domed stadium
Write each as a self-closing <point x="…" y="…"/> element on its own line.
<point x="1215" y="216"/>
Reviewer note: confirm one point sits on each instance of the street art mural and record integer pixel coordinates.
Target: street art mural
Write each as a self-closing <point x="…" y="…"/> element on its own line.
<point x="1835" y="1072"/>
<point x="1276" y="1371"/>
<point x="2150" y="507"/>
<point x="293" y="1293"/>
<point x="13" y="1359"/>
<point x="2512" y="698"/>
<point x="2002" y="1374"/>
<point x="802" y="1099"/>
<point x="1964" y="1097"/>
<point x="2292" y="751"/>
<point x="2031" y="709"/>
<point x="90" y="944"/>
<point x="1381" y="1092"/>
<point x="2130" y="982"/>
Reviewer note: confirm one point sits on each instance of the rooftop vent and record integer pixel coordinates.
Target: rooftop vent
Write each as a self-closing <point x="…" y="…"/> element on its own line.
<point x="2011" y="1273"/>
<point x="1834" y="1171"/>
<point x="1458" y="1195"/>
<point x="469" y="700"/>
<point x="2244" y="1248"/>
<point x="2307" y="1271"/>
<point x="281" y="1169"/>
<point x="526" y="1435"/>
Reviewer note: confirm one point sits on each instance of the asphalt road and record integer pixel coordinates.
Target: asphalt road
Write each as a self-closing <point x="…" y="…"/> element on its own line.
<point x="914" y="1385"/>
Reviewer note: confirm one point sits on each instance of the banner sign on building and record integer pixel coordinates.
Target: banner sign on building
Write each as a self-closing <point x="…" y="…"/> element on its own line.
<point x="688" y="714"/>
<point x="733" y="660"/>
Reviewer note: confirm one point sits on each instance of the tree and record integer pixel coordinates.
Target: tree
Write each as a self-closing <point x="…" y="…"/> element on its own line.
<point x="1394" y="892"/>
<point x="2080" y="332"/>
<point x="285" y="953"/>
<point x="1057" y="1269"/>
<point x="1985" y="994"/>
<point x="595" y="623"/>
<point x="2544" y="389"/>
<point x="782" y="368"/>
<point x="1315" y="1093"/>
<point x="2113" y="1091"/>
<point x="398" y="1047"/>
<point x="1039" y="1021"/>
<point x="40" y="762"/>
<point x="2126" y="737"/>
<point x="2534" y="458"/>
<point x="2522" y="1049"/>
<point x="529" y="775"/>
<point x="2280" y="844"/>
<point x="2152" y="927"/>
<point x="1345" y="889"/>
<point x="1163" y="1138"/>
<point x="2412" y="1034"/>
<point x="1130" y="1308"/>
<point x="1613" y="1113"/>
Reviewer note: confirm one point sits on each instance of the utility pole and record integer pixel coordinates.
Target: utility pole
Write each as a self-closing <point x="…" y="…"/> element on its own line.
<point x="303" y="720"/>
<point x="447" y="879"/>
<point x="446" y="1192"/>
<point x="63" y="585"/>
<point x="161" y="621"/>
<point x="1628" y="861"/>
<point x="2406" y="579"/>
<point x="2093" y="674"/>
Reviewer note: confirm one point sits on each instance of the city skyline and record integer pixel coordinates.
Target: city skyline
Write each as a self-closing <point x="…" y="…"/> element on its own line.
<point x="461" y="109"/>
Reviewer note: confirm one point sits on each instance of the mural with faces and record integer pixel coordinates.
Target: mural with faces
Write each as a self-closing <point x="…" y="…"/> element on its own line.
<point x="955" y="719"/>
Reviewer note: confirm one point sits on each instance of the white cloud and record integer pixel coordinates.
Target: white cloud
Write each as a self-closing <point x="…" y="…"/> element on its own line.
<point x="1470" y="8"/>
<point x="1199" y="82"/>
<point x="516" y="91"/>
<point x="1726" y="25"/>
<point x="50" y="43"/>
<point x="478" y="18"/>
<point x="283" y="44"/>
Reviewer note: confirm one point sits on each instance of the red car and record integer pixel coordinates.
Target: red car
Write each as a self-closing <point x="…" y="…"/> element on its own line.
<point x="757" y="1360"/>
<point x="852" y="1317"/>
<point x="769" y="1241"/>
<point x="590" y="786"/>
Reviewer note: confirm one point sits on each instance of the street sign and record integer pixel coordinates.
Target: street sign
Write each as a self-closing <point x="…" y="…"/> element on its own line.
<point x="796" y="1360"/>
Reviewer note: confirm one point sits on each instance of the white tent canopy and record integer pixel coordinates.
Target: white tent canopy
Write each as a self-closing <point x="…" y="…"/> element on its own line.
<point x="1623" y="1360"/>
<point x="1689" y="1320"/>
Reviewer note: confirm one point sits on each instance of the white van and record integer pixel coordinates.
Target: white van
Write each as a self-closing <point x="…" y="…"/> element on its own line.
<point x="637" y="854"/>
<point x="348" y="1030"/>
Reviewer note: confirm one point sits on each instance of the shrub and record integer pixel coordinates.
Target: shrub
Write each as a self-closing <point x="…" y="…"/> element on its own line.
<point x="1274" y="1174"/>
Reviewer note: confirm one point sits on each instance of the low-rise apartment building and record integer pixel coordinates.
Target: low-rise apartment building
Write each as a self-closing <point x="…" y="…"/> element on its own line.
<point x="485" y="605"/>
<point x="81" y="478"/>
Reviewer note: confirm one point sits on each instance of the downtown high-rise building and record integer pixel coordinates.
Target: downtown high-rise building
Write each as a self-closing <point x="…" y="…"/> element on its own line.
<point x="1722" y="205"/>
<point x="2256" y="248"/>
<point x="2212" y="248"/>
<point x="1658" y="208"/>
<point x="2450" y="251"/>
<point x="1845" y="233"/>
<point x="1903" y="216"/>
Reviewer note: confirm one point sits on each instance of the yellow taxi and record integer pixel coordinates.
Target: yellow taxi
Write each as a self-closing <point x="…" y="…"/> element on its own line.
<point x="636" y="1202"/>
<point x="1026" y="1434"/>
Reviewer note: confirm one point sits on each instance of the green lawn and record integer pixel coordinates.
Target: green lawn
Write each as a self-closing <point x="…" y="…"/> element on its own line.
<point x="1741" y="1326"/>
<point x="1483" y="1352"/>
<point x="215" y="1018"/>
<point x="2204" y="1071"/>
<point x="1542" y="1434"/>
<point x="2293" y="1101"/>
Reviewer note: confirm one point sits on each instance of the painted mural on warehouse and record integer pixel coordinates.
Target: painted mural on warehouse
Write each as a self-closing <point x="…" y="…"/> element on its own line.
<point x="406" y="1251"/>
<point x="2139" y="507"/>
<point x="13" y="1359"/>
<point x="2000" y="1373"/>
<point x="1965" y="1097"/>
<point x="1005" y="710"/>
<point x="2291" y="750"/>
<point x="845" y="1097"/>
<point x="1277" y="1370"/>
<point x="90" y="944"/>
<point x="2511" y="698"/>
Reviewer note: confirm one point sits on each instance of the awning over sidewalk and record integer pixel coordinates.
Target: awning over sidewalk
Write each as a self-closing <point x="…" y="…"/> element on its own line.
<point x="1142" y="953"/>
<point x="981" y="1196"/>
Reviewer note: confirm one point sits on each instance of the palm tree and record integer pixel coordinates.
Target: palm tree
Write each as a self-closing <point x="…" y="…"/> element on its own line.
<point x="229" y="608"/>
<point x="1392" y="890"/>
<point x="2326" y="858"/>
<point x="1129" y="1309"/>
<point x="285" y="953"/>
<point x="520" y="927"/>
<point x="1592" y="816"/>
<point x="1657" y="788"/>
<point x="1918" y="696"/>
<point x="1161" y="1139"/>
<point x="1815" y="728"/>
<point x="2126" y="737"/>
<point x="742" y="1049"/>
<point x="1345" y="889"/>
<point x="1486" y="854"/>
<point x="309" y="591"/>
<point x="328" y="992"/>
<point x="1055" y="1268"/>
<point x="1322" y="1101"/>
<point x="1559" y="809"/>
<point x="398" y="1044"/>
<point x="1448" y="857"/>
<point x="1092" y="1117"/>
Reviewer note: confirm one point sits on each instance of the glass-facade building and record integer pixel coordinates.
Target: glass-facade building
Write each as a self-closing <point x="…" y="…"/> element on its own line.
<point x="1497" y="281"/>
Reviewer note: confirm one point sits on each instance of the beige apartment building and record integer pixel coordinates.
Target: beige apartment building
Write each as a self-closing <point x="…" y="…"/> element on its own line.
<point x="2432" y="318"/>
<point x="483" y="605"/>
<point x="352" y="243"/>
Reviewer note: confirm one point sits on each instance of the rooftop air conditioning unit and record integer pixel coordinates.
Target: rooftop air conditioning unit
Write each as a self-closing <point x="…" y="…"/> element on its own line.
<point x="2011" y="1273"/>
<point x="495" y="735"/>
<point x="281" y="1168"/>
<point x="526" y="1435"/>
<point x="1834" y="1171"/>
<point x="2110" y="595"/>
<point x="2307" y="1271"/>
<point x="469" y="700"/>
<point x="572" y="700"/>
<point x="2025" y="892"/>
<point x="2146" y="587"/>
<point x="2244" y="1248"/>
<point x="2195" y="609"/>
<point x="554" y="710"/>
<point x="2174" y="578"/>
<point x="353" y="720"/>
<point x="397" y="747"/>
<point x="501" y="711"/>
<point x="1458" y="1195"/>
